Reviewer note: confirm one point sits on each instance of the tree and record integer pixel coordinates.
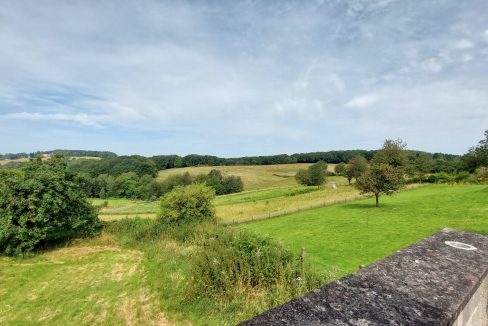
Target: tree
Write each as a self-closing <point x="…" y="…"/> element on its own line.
<point x="477" y="156"/>
<point x="422" y="164"/>
<point x="356" y="167"/>
<point x="392" y="152"/>
<point x="302" y="177"/>
<point x="315" y="175"/>
<point x="340" y="169"/>
<point x="381" y="179"/>
<point x="41" y="203"/>
<point x="233" y="184"/>
<point x="193" y="203"/>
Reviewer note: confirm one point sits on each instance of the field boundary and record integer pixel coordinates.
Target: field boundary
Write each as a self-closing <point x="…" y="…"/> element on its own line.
<point x="304" y="208"/>
<point x="294" y="210"/>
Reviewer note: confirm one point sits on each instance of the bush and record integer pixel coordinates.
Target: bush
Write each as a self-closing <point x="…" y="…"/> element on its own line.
<point x="482" y="175"/>
<point x="315" y="175"/>
<point x="191" y="203"/>
<point x="233" y="184"/>
<point x="233" y="260"/>
<point x="42" y="204"/>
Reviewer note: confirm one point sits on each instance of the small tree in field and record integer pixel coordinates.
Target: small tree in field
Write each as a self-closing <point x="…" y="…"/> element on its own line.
<point x="356" y="167"/>
<point x="381" y="179"/>
<point x="315" y="175"/>
<point x="191" y="203"/>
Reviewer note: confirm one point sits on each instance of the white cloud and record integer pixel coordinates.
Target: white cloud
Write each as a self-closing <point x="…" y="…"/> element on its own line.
<point x="362" y="101"/>
<point x="432" y="65"/>
<point x="85" y="119"/>
<point x="463" y="44"/>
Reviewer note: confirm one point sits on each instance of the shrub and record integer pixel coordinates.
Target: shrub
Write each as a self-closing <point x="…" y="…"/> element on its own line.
<point x="191" y="203"/>
<point x="482" y="175"/>
<point x="233" y="184"/>
<point x="232" y="260"/>
<point x="42" y="204"/>
<point x="315" y="175"/>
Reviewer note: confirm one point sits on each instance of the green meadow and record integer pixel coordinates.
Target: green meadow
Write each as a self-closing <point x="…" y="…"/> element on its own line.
<point x="348" y="235"/>
<point x="122" y="277"/>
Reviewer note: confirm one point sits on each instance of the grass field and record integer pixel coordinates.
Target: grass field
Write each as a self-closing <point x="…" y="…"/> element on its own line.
<point x="254" y="177"/>
<point x="109" y="280"/>
<point x="269" y="190"/>
<point x="244" y="206"/>
<point x="356" y="233"/>
<point x="89" y="283"/>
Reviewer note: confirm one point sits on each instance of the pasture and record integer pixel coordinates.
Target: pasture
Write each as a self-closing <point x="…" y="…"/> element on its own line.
<point x="254" y="176"/>
<point x="348" y="235"/>
<point x="270" y="190"/>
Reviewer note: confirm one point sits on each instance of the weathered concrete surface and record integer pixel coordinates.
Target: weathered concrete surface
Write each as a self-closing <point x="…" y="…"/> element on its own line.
<point x="427" y="283"/>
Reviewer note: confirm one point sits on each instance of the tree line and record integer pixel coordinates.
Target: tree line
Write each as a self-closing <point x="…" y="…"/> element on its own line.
<point x="112" y="164"/>
<point x="64" y="152"/>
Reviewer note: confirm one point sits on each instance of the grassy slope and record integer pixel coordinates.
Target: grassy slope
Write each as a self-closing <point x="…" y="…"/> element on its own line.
<point x="357" y="233"/>
<point x="286" y="202"/>
<point x="253" y="176"/>
<point x="268" y="189"/>
<point x="91" y="283"/>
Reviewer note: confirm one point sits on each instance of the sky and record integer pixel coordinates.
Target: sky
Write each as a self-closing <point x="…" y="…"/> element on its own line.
<point x="236" y="78"/>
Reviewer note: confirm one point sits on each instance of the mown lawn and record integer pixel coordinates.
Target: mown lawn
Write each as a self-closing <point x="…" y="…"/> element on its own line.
<point x="357" y="233"/>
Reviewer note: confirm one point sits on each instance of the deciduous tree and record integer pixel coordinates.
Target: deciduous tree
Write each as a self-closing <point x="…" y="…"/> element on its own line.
<point x="356" y="167"/>
<point x="381" y="179"/>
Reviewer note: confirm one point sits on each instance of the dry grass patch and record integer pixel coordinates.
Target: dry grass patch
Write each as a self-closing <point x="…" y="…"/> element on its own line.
<point x="253" y="176"/>
<point x="78" y="285"/>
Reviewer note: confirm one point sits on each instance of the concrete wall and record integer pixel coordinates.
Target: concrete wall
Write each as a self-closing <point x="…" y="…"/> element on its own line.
<point x="475" y="313"/>
<point x="439" y="281"/>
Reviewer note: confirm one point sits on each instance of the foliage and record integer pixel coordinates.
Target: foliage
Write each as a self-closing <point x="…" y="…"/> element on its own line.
<point x="315" y="175"/>
<point x="482" y="175"/>
<point x="214" y="179"/>
<point x="340" y="169"/>
<point x="41" y="203"/>
<point x="393" y="152"/>
<point x="477" y="156"/>
<point x="420" y="163"/>
<point x="381" y="179"/>
<point x="188" y="204"/>
<point x="115" y="166"/>
<point x="232" y="260"/>
<point x="355" y="168"/>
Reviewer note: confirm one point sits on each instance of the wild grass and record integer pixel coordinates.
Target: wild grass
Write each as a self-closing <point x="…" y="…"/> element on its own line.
<point x="356" y="233"/>
<point x="210" y="274"/>
<point x="92" y="282"/>
<point x="290" y="202"/>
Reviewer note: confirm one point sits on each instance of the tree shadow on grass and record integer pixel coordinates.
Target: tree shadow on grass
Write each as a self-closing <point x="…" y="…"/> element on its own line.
<point x="364" y="206"/>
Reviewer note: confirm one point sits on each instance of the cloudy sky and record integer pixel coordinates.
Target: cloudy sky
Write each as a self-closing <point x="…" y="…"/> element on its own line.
<point x="234" y="78"/>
